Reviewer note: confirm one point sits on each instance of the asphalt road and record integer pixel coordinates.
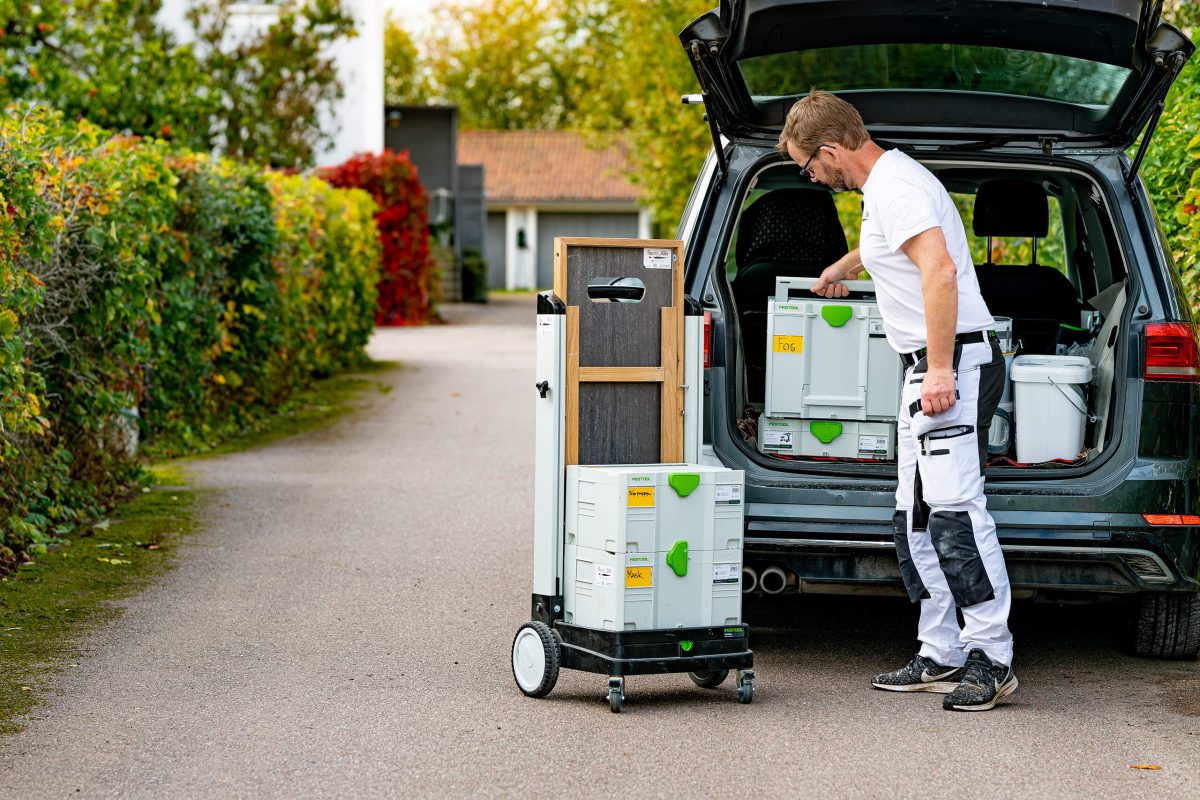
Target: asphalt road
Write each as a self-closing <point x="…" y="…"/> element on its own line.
<point x="340" y="627"/>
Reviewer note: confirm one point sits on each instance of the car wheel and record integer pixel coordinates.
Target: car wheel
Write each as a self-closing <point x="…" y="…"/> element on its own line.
<point x="1167" y="626"/>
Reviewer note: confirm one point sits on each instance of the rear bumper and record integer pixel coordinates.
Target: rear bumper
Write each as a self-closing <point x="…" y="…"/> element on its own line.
<point x="867" y="565"/>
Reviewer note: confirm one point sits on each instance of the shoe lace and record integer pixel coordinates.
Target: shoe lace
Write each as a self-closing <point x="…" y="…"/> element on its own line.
<point x="977" y="673"/>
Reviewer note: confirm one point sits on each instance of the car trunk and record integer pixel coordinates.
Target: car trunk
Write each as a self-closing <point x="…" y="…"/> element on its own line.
<point x="1063" y="287"/>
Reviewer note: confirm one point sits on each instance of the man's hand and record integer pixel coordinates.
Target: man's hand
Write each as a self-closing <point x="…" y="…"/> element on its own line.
<point x="846" y="268"/>
<point x="937" y="391"/>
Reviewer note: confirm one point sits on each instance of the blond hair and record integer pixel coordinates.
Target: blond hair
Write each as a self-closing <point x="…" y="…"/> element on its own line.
<point x="822" y="117"/>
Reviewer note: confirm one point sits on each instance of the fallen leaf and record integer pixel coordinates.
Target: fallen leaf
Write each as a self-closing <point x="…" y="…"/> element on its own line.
<point x="26" y="688"/>
<point x="1144" y="766"/>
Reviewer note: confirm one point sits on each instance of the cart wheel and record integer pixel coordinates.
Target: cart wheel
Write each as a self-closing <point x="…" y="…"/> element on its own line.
<point x="745" y="684"/>
<point x="616" y="694"/>
<point x="709" y="679"/>
<point x="535" y="659"/>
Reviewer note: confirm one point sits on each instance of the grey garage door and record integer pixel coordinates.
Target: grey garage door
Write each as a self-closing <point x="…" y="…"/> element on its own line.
<point x="496" y="251"/>
<point x="550" y="226"/>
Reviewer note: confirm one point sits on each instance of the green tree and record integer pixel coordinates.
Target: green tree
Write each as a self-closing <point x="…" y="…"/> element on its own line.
<point x="508" y="63"/>
<point x="108" y="61"/>
<point x="274" y="85"/>
<point x="404" y="80"/>
<point x="258" y="96"/>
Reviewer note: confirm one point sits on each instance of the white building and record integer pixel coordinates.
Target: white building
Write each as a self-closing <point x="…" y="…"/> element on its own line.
<point x="357" y="121"/>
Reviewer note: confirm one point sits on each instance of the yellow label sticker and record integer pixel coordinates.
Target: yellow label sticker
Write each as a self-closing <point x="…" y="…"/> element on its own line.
<point x="641" y="496"/>
<point x="639" y="576"/>
<point x="789" y="344"/>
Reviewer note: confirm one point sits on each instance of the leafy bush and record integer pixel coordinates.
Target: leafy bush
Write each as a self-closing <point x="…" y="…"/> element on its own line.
<point x="155" y="295"/>
<point x="406" y="283"/>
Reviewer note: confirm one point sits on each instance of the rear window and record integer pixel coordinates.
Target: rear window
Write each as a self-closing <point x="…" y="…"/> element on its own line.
<point x="965" y="68"/>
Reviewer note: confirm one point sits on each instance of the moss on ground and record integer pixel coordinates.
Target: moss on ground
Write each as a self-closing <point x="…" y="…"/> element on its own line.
<point x="48" y="604"/>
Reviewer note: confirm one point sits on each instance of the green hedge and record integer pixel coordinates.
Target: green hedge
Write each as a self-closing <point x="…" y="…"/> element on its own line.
<point x="156" y="299"/>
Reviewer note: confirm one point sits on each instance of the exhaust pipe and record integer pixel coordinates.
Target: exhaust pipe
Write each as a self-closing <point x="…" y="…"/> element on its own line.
<point x="749" y="580"/>
<point x="773" y="580"/>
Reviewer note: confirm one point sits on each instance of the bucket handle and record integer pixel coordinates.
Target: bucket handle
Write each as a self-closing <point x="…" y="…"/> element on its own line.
<point x="1090" y="416"/>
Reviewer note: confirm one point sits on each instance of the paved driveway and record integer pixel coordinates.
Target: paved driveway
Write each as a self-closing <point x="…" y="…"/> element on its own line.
<point x="340" y="627"/>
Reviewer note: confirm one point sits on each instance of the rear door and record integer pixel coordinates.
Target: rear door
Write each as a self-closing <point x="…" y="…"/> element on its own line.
<point x="1083" y="71"/>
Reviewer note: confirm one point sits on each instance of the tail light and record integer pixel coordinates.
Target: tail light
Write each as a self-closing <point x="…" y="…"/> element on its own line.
<point x="1171" y="352"/>
<point x="707" y="339"/>
<point x="1172" y="519"/>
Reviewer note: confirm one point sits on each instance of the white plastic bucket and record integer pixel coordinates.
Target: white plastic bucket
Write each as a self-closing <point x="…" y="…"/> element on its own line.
<point x="1050" y="406"/>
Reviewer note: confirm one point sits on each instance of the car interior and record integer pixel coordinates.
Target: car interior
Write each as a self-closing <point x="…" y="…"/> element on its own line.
<point x="1045" y="256"/>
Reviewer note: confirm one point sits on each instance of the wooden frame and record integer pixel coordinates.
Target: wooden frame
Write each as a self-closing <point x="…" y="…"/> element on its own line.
<point x="669" y="372"/>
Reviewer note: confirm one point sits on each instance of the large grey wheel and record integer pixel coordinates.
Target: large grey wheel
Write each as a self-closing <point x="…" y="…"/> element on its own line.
<point x="535" y="659"/>
<point x="709" y="679"/>
<point x="1167" y="626"/>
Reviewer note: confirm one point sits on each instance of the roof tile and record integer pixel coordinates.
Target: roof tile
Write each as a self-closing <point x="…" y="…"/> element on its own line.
<point x="547" y="166"/>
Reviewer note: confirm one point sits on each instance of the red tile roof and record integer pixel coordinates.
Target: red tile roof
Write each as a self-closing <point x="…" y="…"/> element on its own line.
<point x="547" y="165"/>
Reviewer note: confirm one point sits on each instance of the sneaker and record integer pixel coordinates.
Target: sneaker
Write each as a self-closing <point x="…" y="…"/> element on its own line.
<point x="921" y="675"/>
<point x="983" y="685"/>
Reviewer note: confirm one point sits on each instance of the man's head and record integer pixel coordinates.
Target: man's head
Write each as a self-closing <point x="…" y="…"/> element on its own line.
<point x="820" y="130"/>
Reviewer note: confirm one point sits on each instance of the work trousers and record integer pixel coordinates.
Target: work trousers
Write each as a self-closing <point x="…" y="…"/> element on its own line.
<point x="945" y="538"/>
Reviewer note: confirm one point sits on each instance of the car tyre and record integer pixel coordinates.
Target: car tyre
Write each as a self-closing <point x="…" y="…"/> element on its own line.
<point x="1167" y="626"/>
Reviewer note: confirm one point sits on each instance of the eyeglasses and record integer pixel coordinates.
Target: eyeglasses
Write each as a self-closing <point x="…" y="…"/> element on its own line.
<point x="804" y="171"/>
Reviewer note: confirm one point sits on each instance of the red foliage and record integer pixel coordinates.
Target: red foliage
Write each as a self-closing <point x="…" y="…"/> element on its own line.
<point x="403" y="221"/>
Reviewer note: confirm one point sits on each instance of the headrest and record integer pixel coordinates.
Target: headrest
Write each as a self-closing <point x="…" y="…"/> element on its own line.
<point x="791" y="225"/>
<point x="1011" y="208"/>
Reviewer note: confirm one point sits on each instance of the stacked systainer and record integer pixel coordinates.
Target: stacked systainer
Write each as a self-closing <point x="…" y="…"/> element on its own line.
<point x="833" y="381"/>
<point x="654" y="546"/>
<point x="637" y="548"/>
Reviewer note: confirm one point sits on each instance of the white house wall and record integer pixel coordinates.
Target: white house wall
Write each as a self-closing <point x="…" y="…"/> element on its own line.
<point x="356" y="121"/>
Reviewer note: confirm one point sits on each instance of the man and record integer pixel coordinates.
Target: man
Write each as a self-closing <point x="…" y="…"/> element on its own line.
<point x="915" y="248"/>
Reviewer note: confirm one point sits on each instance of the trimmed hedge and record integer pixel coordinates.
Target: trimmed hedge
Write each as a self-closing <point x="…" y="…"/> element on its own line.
<point x="407" y="279"/>
<point x="158" y="299"/>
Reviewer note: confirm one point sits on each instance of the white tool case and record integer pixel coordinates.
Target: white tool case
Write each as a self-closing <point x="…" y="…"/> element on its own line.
<point x="653" y="546"/>
<point x="829" y="358"/>
<point x="827" y="438"/>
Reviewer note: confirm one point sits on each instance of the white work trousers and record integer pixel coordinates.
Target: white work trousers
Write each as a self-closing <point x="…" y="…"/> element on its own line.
<point x="945" y="539"/>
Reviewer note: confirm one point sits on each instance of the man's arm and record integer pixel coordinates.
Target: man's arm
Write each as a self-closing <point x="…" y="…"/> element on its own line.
<point x="939" y="288"/>
<point x="846" y="267"/>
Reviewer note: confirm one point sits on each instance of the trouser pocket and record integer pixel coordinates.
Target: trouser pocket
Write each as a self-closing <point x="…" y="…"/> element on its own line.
<point x="953" y="537"/>
<point x="948" y="460"/>
<point x="908" y="570"/>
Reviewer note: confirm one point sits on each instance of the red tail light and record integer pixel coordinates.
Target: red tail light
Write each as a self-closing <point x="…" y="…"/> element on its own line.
<point x="707" y="339"/>
<point x="1171" y="352"/>
<point x="1172" y="519"/>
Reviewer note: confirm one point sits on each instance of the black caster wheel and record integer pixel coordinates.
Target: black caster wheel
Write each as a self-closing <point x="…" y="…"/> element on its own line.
<point x="745" y="686"/>
<point x="535" y="659"/>
<point x="616" y="694"/>
<point x="709" y="679"/>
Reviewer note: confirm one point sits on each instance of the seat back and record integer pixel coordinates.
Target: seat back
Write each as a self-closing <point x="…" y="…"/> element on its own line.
<point x="1038" y="298"/>
<point x="794" y="232"/>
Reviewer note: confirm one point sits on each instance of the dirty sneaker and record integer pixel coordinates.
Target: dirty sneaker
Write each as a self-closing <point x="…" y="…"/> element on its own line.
<point x="920" y="675"/>
<point x="983" y="685"/>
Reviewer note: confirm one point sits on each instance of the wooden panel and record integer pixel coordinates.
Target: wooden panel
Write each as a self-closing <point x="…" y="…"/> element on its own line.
<point x="671" y="396"/>
<point x="617" y="334"/>
<point x="619" y="423"/>
<point x="624" y="361"/>
<point x="621" y="374"/>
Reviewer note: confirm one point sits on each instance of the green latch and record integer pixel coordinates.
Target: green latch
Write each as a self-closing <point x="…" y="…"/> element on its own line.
<point x="677" y="558"/>
<point x="825" y="430"/>
<point x="684" y="483"/>
<point x="685" y="645"/>
<point x="837" y="316"/>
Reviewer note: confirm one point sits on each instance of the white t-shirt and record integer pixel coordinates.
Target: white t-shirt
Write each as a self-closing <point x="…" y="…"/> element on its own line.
<point x="901" y="199"/>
